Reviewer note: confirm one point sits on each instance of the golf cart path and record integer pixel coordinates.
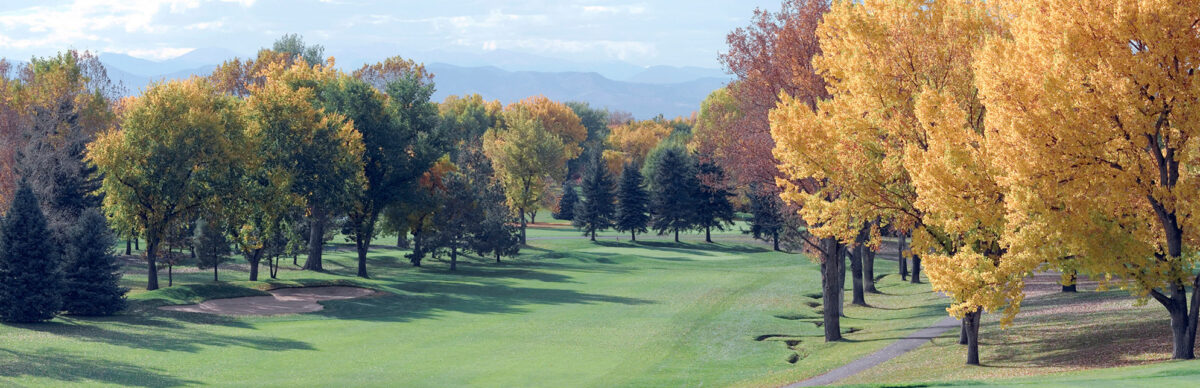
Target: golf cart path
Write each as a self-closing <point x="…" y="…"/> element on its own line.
<point x="896" y="349"/>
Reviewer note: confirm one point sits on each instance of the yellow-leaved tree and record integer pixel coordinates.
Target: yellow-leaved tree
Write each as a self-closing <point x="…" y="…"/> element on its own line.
<point x="1096" y="107"/>
<point x="176" y="143"/>
<point x="632" y="142"/>
<point x="900" y="141"/>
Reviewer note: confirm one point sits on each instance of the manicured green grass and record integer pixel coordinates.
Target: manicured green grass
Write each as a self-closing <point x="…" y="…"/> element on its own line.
<point x="565" y="313"/>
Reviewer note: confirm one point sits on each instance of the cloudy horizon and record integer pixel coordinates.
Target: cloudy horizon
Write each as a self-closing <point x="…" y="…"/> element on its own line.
<point x="642" y="33"/>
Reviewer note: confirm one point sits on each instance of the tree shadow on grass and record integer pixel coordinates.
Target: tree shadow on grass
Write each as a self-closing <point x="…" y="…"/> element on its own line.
<point x="1099" y="340"/>
<point x="52" y="364"/>
<point x="426" y="299"/>
<point x="159" y="334"/>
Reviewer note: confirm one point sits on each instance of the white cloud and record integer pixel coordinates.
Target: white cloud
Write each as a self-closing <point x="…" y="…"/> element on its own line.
<point x="632" y="9"/>
<point x="87" y="21"/>
<point x="156" y="54"/>
<point x="623" y="50"/>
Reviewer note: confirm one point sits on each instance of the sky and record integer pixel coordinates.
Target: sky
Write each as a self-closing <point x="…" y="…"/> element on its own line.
<point x="643" y="33"/>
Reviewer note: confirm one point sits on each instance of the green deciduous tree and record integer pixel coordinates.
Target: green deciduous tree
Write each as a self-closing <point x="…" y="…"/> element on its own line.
<point x="526" y="158"/>
<point x="400" y="135"/>
<point x="319" y="149"/>
<point x="176" y="142"/>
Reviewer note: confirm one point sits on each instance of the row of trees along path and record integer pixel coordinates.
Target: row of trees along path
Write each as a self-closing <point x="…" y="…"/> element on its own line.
<point x="954" y="124"/>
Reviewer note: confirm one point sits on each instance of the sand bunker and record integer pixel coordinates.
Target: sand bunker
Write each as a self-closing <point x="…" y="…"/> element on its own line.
<point x="281" y="301"/>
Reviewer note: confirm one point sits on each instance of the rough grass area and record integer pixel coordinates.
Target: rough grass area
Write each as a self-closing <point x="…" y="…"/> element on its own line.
<point x="567" y="312"/>
<point x="1081" y="333"/>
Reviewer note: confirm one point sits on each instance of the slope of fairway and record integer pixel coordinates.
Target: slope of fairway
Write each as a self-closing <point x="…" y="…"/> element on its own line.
<point x="565" y="313"/>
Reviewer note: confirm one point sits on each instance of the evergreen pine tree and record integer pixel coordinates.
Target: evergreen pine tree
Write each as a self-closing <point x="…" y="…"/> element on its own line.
<point x="31" y="281"/>
<point x="714" y="209"/>
<point x="566" y="204"/>
<point x="212" y="248"/>
<point x="596" y="210"/>
<point x="766" y="221"/>
<point x="497" y="234"/>
<point x="672" y="196"/>
<point x="632" y="200"/>
<point x="455" y="220"/>
<point x="92" y="273"/>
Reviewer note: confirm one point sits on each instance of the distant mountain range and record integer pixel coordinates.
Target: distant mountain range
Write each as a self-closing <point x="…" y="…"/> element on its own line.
<point x="645" y="92"/>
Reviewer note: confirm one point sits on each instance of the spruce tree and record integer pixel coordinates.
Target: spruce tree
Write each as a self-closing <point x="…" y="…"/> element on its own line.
<point x="212" y="248"/>
<point x="766" y="219"/>
<point x="672" y="196"/>
<point x="458" y="216"/>
<point x="632" y="200"/>
<point x="92" y="273"/>
<point x="566" y="204"/>
<point x="31" y="281"/>
<point x="497" y="234"/>
<point x="714" y="209"/>
<point x="596" y="210"/>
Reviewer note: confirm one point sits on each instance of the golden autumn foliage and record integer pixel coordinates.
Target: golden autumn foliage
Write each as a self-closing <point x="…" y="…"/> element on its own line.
<point x="556" y="118"/>
<point x="901" y="140"/>
<point x="632" y="142"/>
<point x="1095" y="108"/>
<point x="176" y="142"/>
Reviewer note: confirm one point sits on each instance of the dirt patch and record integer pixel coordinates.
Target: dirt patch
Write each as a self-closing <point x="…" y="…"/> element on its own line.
<point x="282" y="301"/>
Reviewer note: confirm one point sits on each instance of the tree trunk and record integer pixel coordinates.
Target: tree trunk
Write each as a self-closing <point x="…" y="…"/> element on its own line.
<point x="708" y="234"/>
<point x="128" y="247"/>
<point x="775" y="241"/>
<point x="523" y="225"/>
<point x="1071" y="287"/>
<point x="632" y="236"/>
<point x="676" y="235"/>
<point x="972" y="320"/>
<point x="136" y="242"/>
<point x="1182" y="321"/>
<point x="916" y="270"/>
<point x="170" y="275"/>
<point x="453" y="258"/>
<point x="533" y="217"/>
<point x="362" y="241"/>
<point x="402" y="240"/>
<point x="856" y="270"/>
<point x="869" y="271"/>
<point x="316" y="241"/>
<point x="152" y="264"/>
<point x="497" y="257"/>
<point x="361" y="247"/>
<point x="843" y="255"/>
<point x="962" y="332"/>
<point x="900" y="257"/>
<point x="593" y="235"/>
<point x="254" y="259"/>
<point x="215" y="279"/>
<point x="830" y="289"/>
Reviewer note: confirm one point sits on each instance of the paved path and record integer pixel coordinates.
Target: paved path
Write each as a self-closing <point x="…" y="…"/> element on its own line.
<point x="904" y="345"/>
